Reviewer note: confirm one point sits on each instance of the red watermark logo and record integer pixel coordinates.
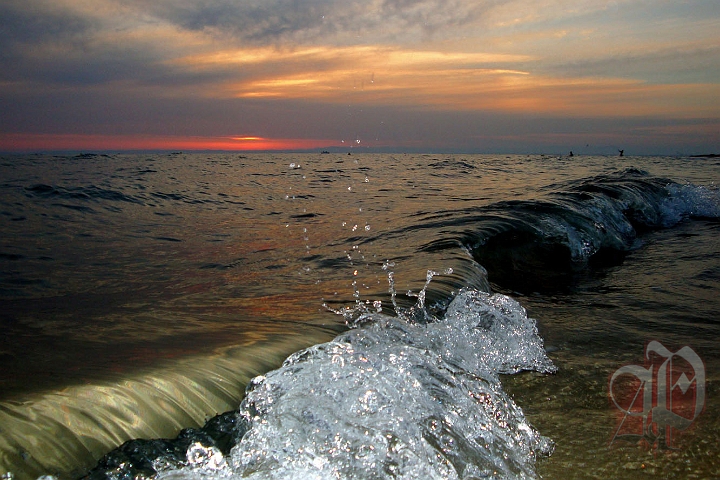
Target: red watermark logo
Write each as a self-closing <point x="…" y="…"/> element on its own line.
<point x="655" y="400"/>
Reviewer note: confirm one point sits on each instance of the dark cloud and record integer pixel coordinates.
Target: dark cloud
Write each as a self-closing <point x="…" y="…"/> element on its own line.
<point x="432" y="16"/>
<point x="256" y="22"/>
<point x="56" y="47"/>
<point x="23" y="29"/>
<point x="265" y="23"/>
<point x="677" y="64"/>
<point x="318" y="21"/>
<point x="25" y="23"/>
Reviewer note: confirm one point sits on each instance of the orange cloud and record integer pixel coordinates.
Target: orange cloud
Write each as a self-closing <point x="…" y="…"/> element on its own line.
<point x="446" y="81"/>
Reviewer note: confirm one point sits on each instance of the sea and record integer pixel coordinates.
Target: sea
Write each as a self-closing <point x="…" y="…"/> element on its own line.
<point x="352" y="315"/>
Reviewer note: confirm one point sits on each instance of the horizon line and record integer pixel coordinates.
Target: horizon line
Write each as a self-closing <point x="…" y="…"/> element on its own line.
<point x="344" y="151"/>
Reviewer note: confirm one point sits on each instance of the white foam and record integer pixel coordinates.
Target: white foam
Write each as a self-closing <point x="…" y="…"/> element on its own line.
<point x="396" y="400"/>
<point x="690" y="201"/>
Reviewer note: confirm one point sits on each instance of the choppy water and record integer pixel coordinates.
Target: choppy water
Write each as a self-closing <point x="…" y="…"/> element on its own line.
<point x="141" y="293"/>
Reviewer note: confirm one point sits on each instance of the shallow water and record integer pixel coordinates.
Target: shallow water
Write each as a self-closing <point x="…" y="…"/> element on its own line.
<point x="606" y="327"/>
<point x="190" y="274"/>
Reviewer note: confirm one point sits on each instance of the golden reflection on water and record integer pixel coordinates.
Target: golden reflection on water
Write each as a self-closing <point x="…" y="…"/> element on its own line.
<point x="67" y="431"/>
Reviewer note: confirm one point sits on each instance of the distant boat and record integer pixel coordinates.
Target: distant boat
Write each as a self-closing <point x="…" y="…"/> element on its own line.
<point x="324" y="152"/>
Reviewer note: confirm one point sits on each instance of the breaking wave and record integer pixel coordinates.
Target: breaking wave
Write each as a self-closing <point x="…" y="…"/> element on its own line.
<point x="391" y="398"/>
<point x="545" y="243"/>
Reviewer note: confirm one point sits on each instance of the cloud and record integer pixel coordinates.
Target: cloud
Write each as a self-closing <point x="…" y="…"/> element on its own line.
<point x="222" y="68"/>
<point x="279" y="22"/>
<point x="383" y="75"/>
<point x="330" y="73"/>
<point x="64" y="44"/>
<point x="29" y="22"/>
<point x="148" y="43"/>
<point x="49" y="43"/>
<point x="659" y="41"/>
<point x="680" y="62"/>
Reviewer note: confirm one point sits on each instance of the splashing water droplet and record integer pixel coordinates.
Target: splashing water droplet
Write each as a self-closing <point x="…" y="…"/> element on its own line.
<point x="206" y="458"/>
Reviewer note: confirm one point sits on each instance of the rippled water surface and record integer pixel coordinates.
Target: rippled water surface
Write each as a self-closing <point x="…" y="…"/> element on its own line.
<point x="140" y="293"/>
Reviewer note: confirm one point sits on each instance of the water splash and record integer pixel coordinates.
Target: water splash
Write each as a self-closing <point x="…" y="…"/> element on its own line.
<point x="417" y="313"/>
<point x="396" y="398"/>
<point x="690" y="200"/>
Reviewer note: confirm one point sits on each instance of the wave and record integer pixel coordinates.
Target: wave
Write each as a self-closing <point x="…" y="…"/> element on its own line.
<point x="87" y="193"/>
<point x="94" y="194"/>
<point x="66" y="431"/>
<point x="395" y="397"/>
<point x="543" y="244"/>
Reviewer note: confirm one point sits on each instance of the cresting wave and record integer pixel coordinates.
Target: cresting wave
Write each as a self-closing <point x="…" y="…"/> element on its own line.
<point x="394" y="398"/>
<point x="536" y="245"/>
<point x="65" y="432"/>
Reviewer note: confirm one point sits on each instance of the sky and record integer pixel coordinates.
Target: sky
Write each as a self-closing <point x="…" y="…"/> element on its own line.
<point x="485" y="76"/>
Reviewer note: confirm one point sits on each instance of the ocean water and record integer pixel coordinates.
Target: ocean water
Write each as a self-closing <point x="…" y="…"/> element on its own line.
<point x="391" y="316"/>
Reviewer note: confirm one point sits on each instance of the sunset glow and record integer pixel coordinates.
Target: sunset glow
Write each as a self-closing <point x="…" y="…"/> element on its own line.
<point x="45" y="142"/>
<point x="131" y="75"/>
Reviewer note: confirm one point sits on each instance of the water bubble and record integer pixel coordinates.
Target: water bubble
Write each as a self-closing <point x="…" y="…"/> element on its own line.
<point x="207" y="458"/>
